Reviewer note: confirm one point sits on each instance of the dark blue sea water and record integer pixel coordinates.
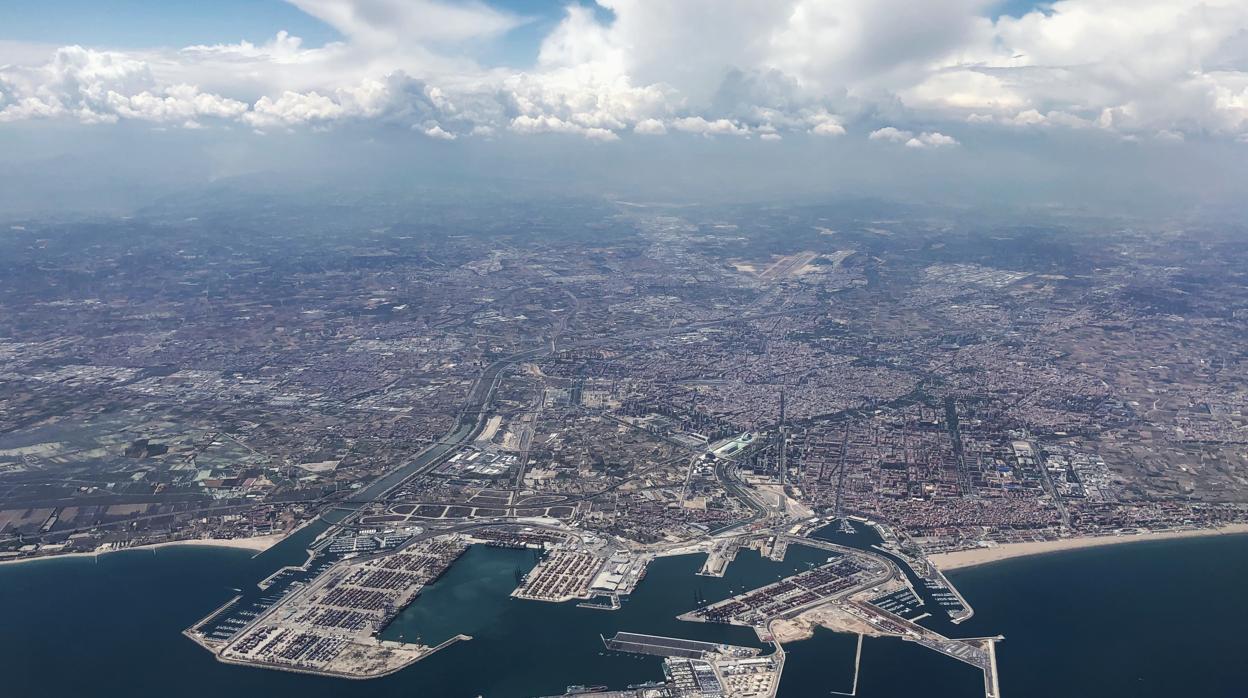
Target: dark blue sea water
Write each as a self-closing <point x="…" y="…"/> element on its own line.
<point x="1145" y="620"/>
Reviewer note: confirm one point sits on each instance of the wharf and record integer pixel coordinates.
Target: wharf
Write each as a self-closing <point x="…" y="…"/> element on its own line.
<point x="661" y="646"/>
<point x="718" y="559"/>
<point x="778" y="549"/>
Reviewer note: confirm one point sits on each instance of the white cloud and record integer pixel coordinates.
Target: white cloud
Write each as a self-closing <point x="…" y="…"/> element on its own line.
<point x="584" y="98"/>
<point x="1154" y="69"/>
<point x="1033" y="118"/>
<point x="436" y="131"/>
<point x="293" y="108"/>
<point x="650" y="127"/>
<point x="103" y="87"/>
<point x="828" y="128"/>
<point x="184" y="103"/>
<point x="965" y="89"/>
<point x="553" y="124"/>
<point x="890" y="133"/>
<point x="718" y="127"/>
<point x="931" y="139"/>
<point x="282" y="48"/>
<point x="926" y="139"/>
<point x="1133" y="67"/>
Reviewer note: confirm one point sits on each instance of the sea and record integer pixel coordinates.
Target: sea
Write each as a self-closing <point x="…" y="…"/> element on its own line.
<point x="1140" y="620"/>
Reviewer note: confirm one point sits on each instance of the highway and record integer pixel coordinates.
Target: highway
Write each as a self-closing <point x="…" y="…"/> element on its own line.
<point x="470" y="417"/>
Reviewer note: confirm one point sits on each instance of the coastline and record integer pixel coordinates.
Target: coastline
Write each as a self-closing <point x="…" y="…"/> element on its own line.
<point x="258" y="544"/>
<point x="974" y="557"/>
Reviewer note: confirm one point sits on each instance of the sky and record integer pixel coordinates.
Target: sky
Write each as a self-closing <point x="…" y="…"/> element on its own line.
<point x="1049" y="102"/>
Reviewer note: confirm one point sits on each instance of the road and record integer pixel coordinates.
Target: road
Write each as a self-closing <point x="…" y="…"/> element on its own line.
<point x="470" y="419"/>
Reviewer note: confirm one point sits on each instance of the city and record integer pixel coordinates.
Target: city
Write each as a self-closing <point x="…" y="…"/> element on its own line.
<point x="595" y="411"/>
<point x="623" y="348"/>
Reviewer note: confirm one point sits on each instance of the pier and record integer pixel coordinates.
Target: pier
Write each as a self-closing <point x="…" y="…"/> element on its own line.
<point x="662" y="646"/>
<point x="853" y="690"/>
<point x="718" y="559"/>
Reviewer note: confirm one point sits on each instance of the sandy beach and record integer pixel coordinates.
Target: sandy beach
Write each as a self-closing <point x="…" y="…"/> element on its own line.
<point x="256" y="543"/>
<point x="983" y="556"/>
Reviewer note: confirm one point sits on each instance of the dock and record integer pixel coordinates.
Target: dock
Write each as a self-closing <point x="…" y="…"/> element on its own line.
<point x="718" y="559"/>
<point x="660" y="646"/>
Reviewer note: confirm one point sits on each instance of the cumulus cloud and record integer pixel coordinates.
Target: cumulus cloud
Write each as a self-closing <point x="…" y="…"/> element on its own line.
<point x="436" y="131"/>
<point x="294" y="108"/>
<point x="718" y="127"/>
<point x="931" y="139"/>
<point x="184" y="103"/>
<point x="926" y="139"/>
<point x="890" y="133"/>
<point x="650" y="127"/>
<point x="1132" y="67"/>
<point x="828" y="128"/>
<point x="1157" y="69"/>
<point x="103" y="87"/>
<point x="553" y="124"/>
